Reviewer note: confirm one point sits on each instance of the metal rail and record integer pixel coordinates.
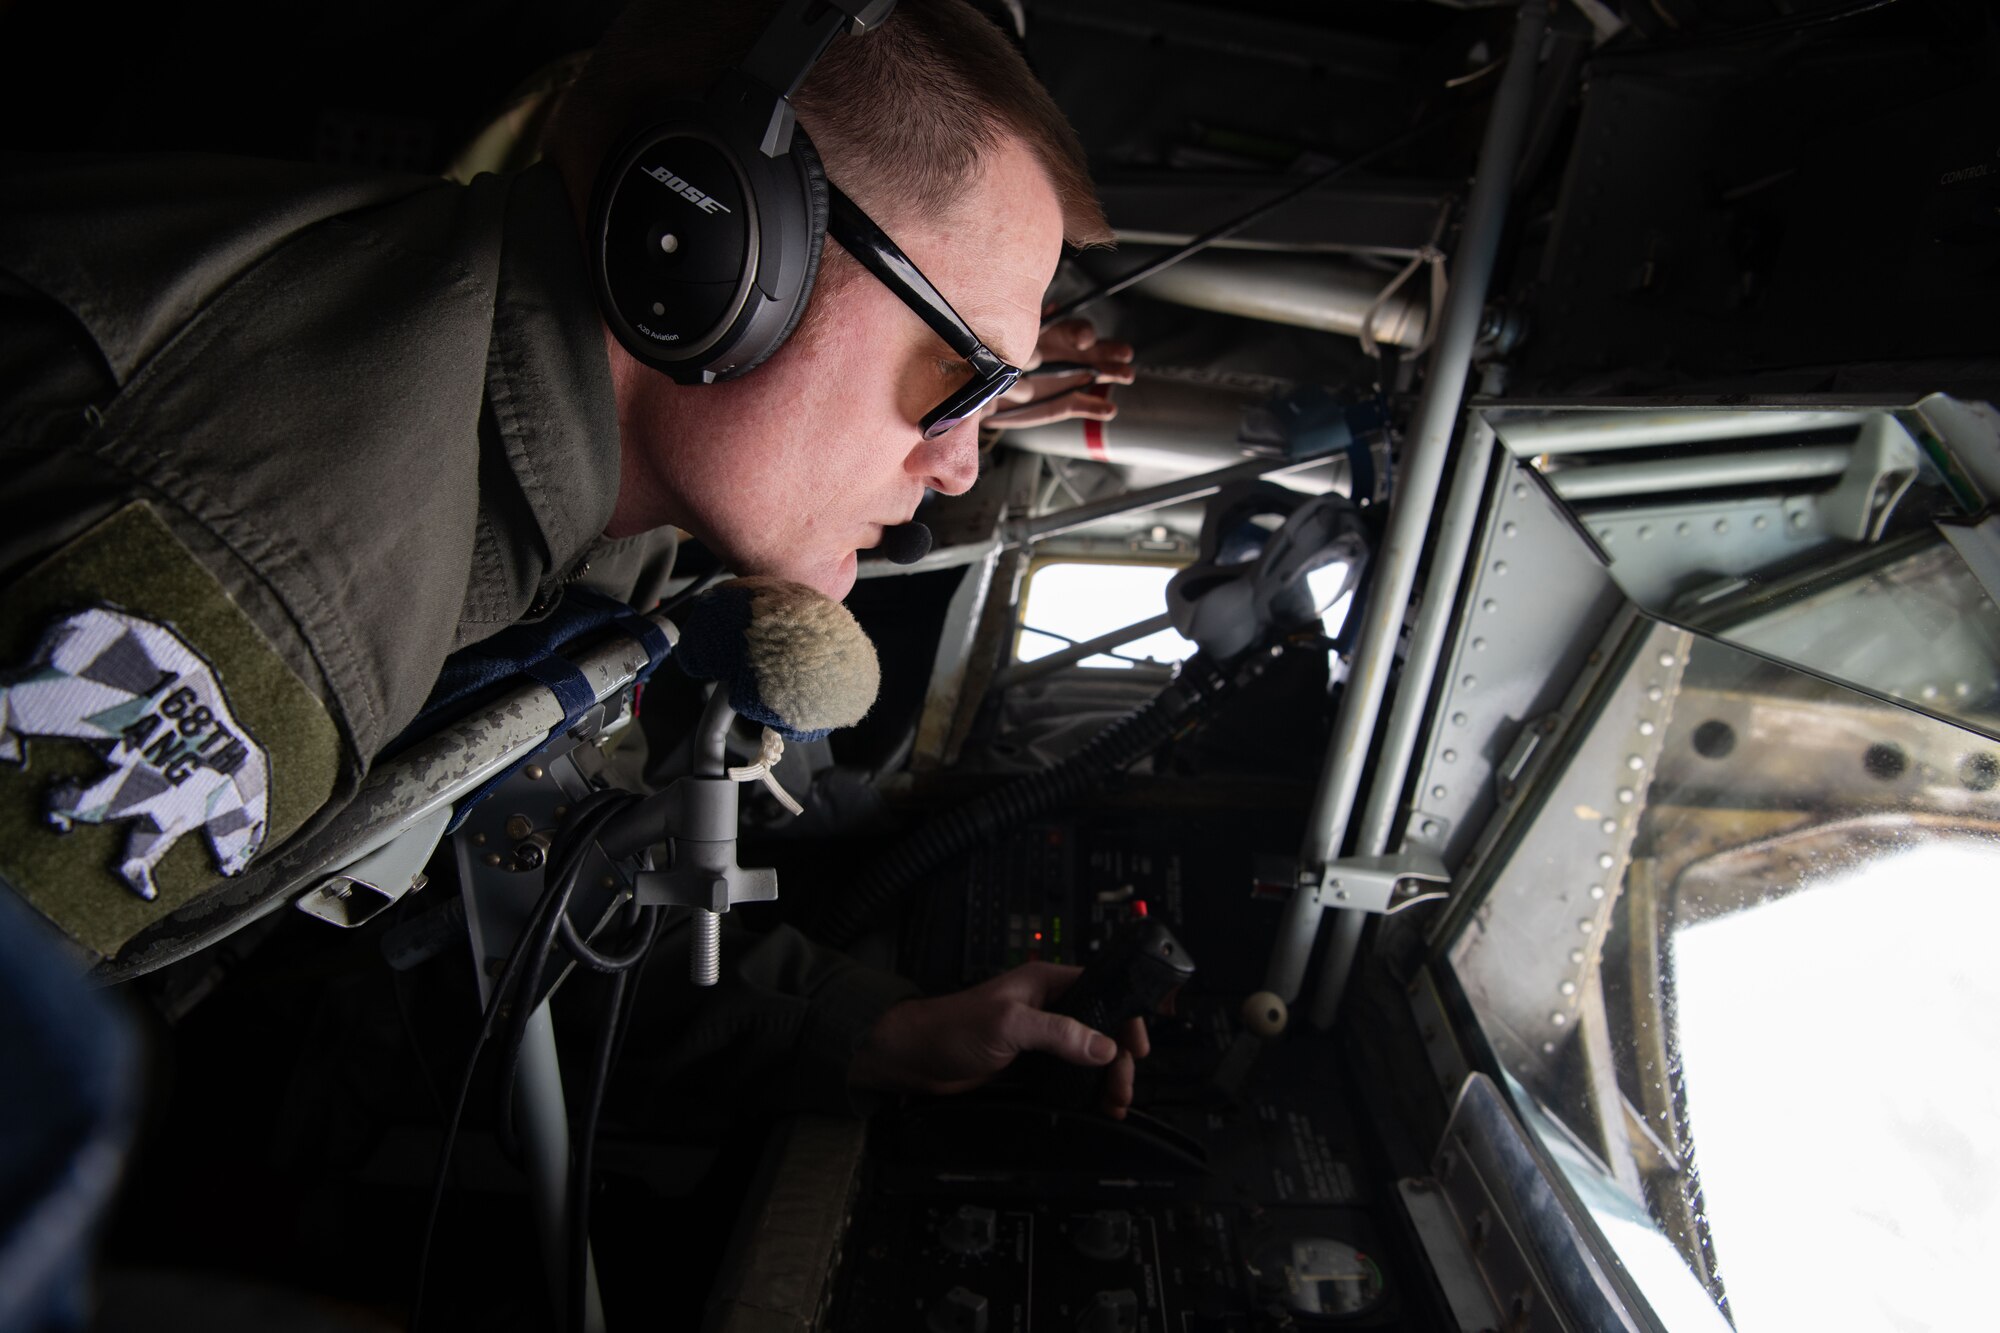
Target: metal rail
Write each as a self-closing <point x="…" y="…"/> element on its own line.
<point x="1411" y="507"/>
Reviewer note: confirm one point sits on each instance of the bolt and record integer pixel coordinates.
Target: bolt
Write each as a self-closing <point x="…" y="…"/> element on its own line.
<point x="528" y="856"/>
<point x="519" y="827"/>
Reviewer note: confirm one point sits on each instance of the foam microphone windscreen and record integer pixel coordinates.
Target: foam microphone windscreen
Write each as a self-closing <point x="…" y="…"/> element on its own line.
<point x="906" y="543"/>
<point x="791" y="658"/>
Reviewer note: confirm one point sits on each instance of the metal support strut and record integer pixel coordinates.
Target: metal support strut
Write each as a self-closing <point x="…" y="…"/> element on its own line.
<point x="1410" y="514"/>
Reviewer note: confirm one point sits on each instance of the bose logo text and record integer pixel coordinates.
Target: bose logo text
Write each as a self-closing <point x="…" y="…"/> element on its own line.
<point x="688" y="192"/>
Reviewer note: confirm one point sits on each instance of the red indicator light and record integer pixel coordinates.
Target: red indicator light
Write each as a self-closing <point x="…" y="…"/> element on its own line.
<point x="1038" y="935"/>
<point x="1138" y="907"/>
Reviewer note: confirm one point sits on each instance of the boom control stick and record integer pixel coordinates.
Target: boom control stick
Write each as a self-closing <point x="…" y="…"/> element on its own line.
<point x="780" y="654"/>
<point x="1130" y="977"/>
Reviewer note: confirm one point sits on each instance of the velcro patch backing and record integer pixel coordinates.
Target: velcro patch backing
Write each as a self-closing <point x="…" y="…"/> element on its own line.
<point x="225" y="751"/>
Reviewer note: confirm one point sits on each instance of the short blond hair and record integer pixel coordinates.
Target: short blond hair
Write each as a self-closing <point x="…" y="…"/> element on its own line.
<point x="900" y="116"/>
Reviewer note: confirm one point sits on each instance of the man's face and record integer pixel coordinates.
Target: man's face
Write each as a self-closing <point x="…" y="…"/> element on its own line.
<point x="796" y="466"/>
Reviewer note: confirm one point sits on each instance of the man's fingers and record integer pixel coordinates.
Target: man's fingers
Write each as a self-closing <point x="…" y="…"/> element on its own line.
<point x="1118" y="1085"/>
<point x="1065" y="1038"/>
<point x="1134" y="1038"/>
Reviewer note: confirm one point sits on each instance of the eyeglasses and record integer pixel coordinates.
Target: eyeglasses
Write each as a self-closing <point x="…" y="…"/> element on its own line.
<point x="869" y="244"/>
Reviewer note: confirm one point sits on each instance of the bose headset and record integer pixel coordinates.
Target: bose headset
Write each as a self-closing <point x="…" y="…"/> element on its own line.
<point x="706" y="224"/>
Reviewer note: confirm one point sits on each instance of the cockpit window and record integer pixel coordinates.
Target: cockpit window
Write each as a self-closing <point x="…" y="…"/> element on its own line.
<point x="1069" y="602"/>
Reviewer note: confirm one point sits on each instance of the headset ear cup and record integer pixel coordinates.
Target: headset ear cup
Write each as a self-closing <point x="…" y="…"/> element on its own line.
<point x="812" y="176"/>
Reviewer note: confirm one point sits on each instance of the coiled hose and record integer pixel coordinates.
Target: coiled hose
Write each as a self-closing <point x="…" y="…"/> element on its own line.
<point x="1111" y="750"/>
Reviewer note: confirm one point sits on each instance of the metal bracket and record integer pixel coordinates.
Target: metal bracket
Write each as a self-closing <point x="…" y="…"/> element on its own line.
<point x="370" y="884"/>
<point x="1978" y="545"/>
<point x="1379" y="883"/>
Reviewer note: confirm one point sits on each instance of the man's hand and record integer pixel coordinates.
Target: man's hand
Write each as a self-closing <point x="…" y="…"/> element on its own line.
<point x="954" y="1043"/>
<point x="1039" y="400"/>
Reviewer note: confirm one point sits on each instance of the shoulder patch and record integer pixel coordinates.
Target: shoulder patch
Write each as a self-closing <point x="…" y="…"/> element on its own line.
<point x="151" y="739"/>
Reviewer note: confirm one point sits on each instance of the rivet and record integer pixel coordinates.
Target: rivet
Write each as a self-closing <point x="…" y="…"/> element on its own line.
<point x="1559" y="1018"/>
<point x="1682" y="529"/>
<point x="1548" y="1048"/>
<point x="1635" y="762"/>
<point x="1449" y="756"/>
<point x="1666" y="659"/>
<point x="1489" y="606"/>
<point x="1609" y="826"/>
<point x="659" y="308"/>
<point x="1624" y="796"/>
<point x="1604" y="535"/>
<point x="1458" y="719"/>
<point x="1721" y="526"/>
<point x="1470" y="682"/>
<point x="1799" y="518"/>
<point x="1605" y="861"/>
<point x="1438" y="792"/>
<point x="1432" y="828"/>
<point x="1930" y="691"/>
<point x="479" y="840"/>
<point x="1656" y="694"/>
<point x="1962" y="689"/>
<point x="1499" y="566"/>
<point x="1760" y="522"/>
<point x="1567" y="988"/>
<point x="1645" y="531"/>
<point x="1647" y="728"/>
<point x="1479" y="645"/>
<point x="1586" y="925"/>
<point x="1510" y="529"/>
<point x="534" y="772"/>
<point x="1520" y="491"/>
<point x="1576" y="955"/>
<point x="669" y="243"/>
<point x="491" y="858"/>
<point x="1597" y="892"/>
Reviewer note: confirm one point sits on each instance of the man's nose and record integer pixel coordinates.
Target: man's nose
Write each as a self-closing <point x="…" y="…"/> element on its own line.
<point x="950" y="463"/>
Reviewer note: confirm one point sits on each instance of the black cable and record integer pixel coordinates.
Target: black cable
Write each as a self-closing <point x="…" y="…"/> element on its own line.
<point x="1242" y="220"/>
<point x="598" y="808"/>
<point x="610" y="1040"/>
<point x="587" y="819"/>
<point x="599" y="961"/>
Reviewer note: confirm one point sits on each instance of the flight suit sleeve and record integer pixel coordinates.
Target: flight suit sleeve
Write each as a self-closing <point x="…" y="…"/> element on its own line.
<point x="776" y="1035"/>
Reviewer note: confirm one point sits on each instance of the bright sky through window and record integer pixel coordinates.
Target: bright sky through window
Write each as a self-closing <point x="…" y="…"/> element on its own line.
<point x="1080" y="600"/>
<point x="1842" y="1053"/>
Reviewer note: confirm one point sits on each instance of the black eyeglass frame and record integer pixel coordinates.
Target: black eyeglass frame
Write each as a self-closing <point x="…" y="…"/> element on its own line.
<point x="859" y="235"/>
